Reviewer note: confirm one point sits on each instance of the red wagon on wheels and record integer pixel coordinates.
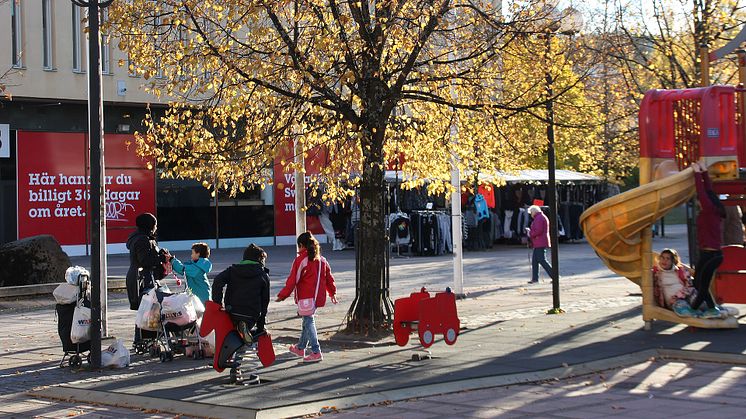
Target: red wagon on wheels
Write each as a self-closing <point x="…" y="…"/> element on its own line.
<point x="428" y="315"/>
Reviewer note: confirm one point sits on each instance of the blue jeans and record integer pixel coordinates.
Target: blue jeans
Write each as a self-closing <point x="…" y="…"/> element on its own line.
<point x="308" y="335"/>
<point x="539" y="257"/>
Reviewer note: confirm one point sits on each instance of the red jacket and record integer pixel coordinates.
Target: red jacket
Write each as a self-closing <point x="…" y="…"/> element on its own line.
<point x="305" y="274"/>
<point x="539" y="232"/>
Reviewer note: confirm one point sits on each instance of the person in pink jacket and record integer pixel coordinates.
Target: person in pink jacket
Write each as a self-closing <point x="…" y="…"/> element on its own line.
<point x="310" y="276"/>
<point x="539" y="239"/>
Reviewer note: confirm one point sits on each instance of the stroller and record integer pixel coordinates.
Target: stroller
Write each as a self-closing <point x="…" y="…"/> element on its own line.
<point x="177" y="332"/>
<point x="65" y="313"/>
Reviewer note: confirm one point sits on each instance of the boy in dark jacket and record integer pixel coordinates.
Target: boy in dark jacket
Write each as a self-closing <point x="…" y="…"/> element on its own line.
<point x="246" y="296"/>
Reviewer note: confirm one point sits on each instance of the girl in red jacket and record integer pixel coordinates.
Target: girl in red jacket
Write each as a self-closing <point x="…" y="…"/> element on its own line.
<point x="309" y="277"/>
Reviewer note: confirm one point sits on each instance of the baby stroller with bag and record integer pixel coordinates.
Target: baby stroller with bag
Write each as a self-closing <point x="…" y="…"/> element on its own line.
<point x="178" y="326"/>
<point x="171" y="321"/>
<point x="65" y="315"/>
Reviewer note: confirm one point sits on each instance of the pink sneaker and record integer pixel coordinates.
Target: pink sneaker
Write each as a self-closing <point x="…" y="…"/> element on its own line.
<point x="297" y="352"/>
<point x="314" y="357"/>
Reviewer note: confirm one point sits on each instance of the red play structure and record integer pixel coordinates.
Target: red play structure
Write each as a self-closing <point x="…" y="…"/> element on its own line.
<point x="428" y="315"/>
<point x="679" y="127"/>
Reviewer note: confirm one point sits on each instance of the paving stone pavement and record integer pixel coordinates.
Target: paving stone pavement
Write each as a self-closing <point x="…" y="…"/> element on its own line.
<point x="498" y="299"/>
<point x="656" y="388"/>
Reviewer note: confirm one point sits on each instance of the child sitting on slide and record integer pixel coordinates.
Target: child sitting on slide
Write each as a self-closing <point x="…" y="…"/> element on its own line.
<point x="673" y="284"/>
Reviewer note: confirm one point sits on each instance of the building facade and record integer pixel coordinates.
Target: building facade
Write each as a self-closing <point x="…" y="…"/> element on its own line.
<point x="44" y="70"/>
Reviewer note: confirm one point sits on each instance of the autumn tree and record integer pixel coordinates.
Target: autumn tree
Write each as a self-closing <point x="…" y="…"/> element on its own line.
<point x="363" y="79"/>
<point x="658" y="42"/>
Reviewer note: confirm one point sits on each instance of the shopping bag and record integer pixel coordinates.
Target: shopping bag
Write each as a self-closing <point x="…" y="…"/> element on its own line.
<point x="116" y="355"/>
<point x="149" y="312"/>
<point x="81" y="330"/>
<point x="178" y="309"/>
<point x="66" y="294"/>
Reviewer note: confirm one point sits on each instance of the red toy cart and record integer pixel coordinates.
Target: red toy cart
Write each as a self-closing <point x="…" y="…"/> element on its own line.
<point x="428" y="315"/>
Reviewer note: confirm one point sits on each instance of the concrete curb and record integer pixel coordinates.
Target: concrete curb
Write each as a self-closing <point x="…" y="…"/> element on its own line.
<point x="46" y="289"/>
<point x="366" y="399"/>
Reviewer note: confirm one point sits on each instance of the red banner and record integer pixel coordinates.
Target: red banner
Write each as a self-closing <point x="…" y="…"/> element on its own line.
<point x="53" y="196"/>
<point x="284" y="184"/>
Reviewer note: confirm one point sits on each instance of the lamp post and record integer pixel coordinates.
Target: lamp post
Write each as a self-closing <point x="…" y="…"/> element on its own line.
<point x="96" y="188"/>
<point x="567" y="22"/>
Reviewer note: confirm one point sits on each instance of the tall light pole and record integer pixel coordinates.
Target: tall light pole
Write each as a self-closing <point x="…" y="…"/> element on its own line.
<point x="96" y="188"/>
<point x="568" y="22"/>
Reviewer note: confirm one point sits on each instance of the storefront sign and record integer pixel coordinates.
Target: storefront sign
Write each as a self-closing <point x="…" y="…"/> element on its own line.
<point x="284" y="184"/>
<point x="53" y="181"/>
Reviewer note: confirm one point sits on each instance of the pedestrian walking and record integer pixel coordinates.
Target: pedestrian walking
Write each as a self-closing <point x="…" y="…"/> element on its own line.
<point x="311" y="279"/>
<point x="709" y="235"/>
<point x="538" y="236"/>
<point x="195" y="270"/>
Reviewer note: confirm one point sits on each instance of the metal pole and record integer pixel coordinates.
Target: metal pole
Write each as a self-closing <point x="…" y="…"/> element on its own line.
<point x="98" y="204"/>
<point x="300" y="190"/>
<point x="217" y="216"/>
<point x="456" y="234"/>
<point x="552" y="187"/>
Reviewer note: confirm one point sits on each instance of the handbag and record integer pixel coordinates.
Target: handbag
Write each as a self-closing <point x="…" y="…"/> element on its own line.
<point x="307" y="306"/>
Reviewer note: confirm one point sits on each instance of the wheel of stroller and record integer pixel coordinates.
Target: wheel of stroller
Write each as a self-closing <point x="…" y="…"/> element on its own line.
<point x="75" y="361"/>
<point x="169" y="355"/>
<point x="163" y="357"/>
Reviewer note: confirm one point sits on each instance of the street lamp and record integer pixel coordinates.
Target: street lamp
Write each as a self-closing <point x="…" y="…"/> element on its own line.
<point x="96" y="188"/>
<point x="567" y="22"/>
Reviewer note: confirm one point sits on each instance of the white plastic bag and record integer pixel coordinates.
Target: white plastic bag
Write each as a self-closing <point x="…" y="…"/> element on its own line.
<point x="73" y="273"/>
<point x="81" y="328"/>
<point x="149" y="312"/>
<point x="179" y="309"/>
<point x="116" y="355"/>
<point x="198" y="306"/>
<point x="66" y="294"/>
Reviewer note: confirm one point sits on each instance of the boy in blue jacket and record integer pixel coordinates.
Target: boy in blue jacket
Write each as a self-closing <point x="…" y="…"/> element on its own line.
<point x="196" y="270"/>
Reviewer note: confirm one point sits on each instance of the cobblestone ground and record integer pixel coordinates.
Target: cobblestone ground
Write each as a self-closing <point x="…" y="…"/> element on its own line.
<point x="657" y="388"/>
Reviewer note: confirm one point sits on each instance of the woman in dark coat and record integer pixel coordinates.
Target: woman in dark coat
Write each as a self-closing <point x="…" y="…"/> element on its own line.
<point x="145" y="261"/>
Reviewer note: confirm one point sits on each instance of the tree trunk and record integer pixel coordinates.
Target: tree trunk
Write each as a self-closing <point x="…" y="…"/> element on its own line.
<point x="371" y="309"/>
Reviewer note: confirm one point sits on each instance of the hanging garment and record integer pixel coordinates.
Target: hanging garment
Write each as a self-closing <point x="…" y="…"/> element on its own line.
<point x="488" y="192"/>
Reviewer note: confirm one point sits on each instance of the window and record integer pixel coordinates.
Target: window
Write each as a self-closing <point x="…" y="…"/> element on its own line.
<point x="105" y="50"/>
<point x="131" y="66"/>
<point x="77" y="36"/>
<point x="46" y="27"/>
<point x="16" y="33"/>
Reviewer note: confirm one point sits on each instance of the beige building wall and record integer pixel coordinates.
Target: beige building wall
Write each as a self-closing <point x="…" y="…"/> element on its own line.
<point x="61" y="81"/>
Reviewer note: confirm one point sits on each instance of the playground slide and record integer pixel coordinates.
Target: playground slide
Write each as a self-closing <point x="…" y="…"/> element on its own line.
<point x="614" y="226"/>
